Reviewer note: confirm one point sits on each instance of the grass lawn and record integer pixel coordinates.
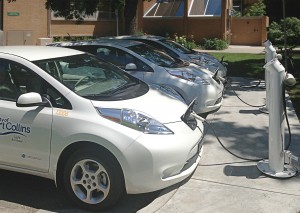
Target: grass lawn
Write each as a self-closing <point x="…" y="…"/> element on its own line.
<point x="251" y="66"/>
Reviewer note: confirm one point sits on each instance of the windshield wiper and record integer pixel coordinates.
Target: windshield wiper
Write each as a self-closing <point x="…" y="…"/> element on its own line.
<point x="124" y="86"/>
<point x="119" y="88"/>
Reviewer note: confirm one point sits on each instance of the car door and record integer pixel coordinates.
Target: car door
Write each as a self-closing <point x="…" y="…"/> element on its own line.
<point x="25" y="132"/>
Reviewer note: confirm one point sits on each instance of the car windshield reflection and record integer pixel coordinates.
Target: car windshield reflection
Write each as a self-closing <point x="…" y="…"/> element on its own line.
<point x="156" y="56"/>
<point x="177" y="46"/>
<point x="86" y="75"/>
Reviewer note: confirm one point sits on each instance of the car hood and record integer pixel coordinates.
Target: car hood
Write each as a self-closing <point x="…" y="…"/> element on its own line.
<point x="201" y="56"/>
<point x="196" y="70"/>
<point x="154" y="103"/>
<point x="207" y="61"/>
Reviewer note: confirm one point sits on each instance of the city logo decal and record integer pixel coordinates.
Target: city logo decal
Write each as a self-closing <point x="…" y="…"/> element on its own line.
<point x="7" y="127"/>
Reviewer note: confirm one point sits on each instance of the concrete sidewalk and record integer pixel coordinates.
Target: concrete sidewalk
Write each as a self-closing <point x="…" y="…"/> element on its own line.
<point x="225" y="183"/>
<point x="243" y="49"/>
<point x="239" y="49"/>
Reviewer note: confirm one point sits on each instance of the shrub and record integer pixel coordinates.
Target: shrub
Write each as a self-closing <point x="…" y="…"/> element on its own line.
<point x="256" y="9"/>
<point x="215" y="44"/>
<point x="183" y="40"/>
<point x="276" y="32"/>
<point x="72" y="38"/>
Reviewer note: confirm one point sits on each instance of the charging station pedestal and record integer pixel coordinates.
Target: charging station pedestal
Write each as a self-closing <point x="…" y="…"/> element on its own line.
<point x="270" y="54"/>
<point x="276" y="165"/>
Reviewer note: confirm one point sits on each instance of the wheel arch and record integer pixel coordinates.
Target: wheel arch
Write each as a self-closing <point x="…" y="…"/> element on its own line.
<point x="82" y="145"/>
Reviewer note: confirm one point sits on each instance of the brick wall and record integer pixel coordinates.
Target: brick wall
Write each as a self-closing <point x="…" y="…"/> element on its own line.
<point x="87" y="28"/>
<point x="24" y="22"/>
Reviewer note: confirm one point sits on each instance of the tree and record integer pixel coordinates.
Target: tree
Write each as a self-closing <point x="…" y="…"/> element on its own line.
<point x="77" y="9"/>
<point x="73" y="9"/>
<point x="256" y="9"/>
<point x="130" y="16"/>
<point x="275" y="12"/>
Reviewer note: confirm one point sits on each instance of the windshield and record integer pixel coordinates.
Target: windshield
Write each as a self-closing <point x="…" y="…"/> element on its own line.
<point x="177" y="46"/>
<point x="156" y="56"/>
<point x="87" y="76"/>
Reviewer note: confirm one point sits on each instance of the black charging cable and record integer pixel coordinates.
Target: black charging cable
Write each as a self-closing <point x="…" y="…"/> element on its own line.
<point x="229" y="84"/>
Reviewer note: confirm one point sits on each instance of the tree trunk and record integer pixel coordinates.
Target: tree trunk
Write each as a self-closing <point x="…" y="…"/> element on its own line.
<point x="130" y="16"/>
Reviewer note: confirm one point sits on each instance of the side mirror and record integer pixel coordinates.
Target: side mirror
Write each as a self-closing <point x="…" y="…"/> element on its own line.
<point x="130" y="66"/>
<point x="30" y="99"/>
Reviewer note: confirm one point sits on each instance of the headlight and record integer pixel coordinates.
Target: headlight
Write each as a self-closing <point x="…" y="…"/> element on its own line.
<point x="135" y="120"/>
<point x="188" y="76"/>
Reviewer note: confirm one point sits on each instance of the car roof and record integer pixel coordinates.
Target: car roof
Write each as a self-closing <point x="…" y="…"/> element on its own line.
<point x="34" y="53"/>
<point x="107" y="41"/>
<point x="146" y="37"/>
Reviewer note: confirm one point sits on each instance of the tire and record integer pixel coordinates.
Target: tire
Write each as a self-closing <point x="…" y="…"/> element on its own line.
<point x="93" y="179"/>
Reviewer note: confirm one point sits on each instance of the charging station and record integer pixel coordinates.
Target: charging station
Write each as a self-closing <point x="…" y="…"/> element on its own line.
<point x="270" y="54"/>
<point x="279" y="163"/>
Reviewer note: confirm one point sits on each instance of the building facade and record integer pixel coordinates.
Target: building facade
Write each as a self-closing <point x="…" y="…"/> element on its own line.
<point x="29" y="23"/>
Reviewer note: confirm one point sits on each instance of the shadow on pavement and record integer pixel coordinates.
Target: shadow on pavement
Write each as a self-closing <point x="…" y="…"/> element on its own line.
<point x="40" y="193"/>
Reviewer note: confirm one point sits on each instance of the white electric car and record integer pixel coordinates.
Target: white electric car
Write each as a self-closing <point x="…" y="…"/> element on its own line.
<point x="155" y="66"/>
<point x="95" y="130"/>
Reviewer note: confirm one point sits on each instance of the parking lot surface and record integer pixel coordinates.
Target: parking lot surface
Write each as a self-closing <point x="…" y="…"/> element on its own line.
<point x="225" y="183"/>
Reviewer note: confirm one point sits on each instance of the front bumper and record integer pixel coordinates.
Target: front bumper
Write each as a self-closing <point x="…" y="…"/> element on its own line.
<point x="209" y="97"/>
<point x="157" y="161"/>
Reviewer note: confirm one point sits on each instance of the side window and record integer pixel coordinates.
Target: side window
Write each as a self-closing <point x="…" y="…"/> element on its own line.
<point x="8" y="88"/>
<point x="121" y="58"/>
<point x="28" y="81"/>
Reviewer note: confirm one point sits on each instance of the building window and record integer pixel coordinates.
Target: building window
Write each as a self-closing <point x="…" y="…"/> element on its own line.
<point x="166" y="8"/>
<point x="99" y="15"/>
<point x="205" y="8"/>
<point x="237" y="6"/>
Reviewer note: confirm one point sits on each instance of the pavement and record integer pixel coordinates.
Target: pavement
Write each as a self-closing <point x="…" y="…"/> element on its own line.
<point x="223" y="182"/>
<point x="226" y="183"/>
<point x="239" y="49"/>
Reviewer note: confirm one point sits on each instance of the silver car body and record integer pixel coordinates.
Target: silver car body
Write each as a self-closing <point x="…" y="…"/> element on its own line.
<point x="175" y="49"/>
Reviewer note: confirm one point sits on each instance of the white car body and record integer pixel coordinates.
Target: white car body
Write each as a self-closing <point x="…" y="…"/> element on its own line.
<point x="207" y="91"/>
<point x="38" y="139"/>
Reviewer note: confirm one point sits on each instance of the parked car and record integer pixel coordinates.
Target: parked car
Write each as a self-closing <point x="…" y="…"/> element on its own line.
<point x="95" y="130"/>
<point x="154" y="66"/>
<point x="177" y="50"/>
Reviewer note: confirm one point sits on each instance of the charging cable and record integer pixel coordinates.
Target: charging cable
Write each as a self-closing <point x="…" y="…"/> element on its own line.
<point x="240" y="157"/>
<point x="224" y="147"/>
<point x="229" y="84"/>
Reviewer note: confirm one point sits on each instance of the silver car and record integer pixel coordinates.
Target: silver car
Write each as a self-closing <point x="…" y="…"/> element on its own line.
<point x="155" y="66"/>
<point x="177" y="50"/>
